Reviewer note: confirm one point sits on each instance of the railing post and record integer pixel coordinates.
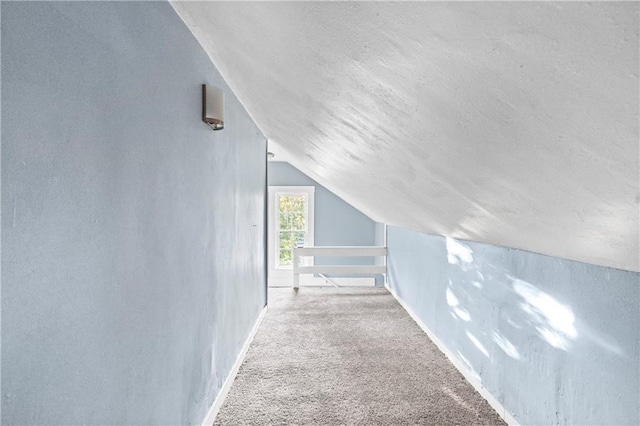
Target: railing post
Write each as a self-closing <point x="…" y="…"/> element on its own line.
<point x="386" y="266"/>
<point x="296" y="274"/>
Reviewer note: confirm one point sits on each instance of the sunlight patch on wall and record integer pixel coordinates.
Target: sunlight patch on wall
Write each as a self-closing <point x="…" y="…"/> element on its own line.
<point x="470" y="368"/>
<point x="553" y="320"/>
<point x="476" y="342"/>
<point x="504" y="344"/>
<point x="454" y="303"/>
<point x="458" y="253"/>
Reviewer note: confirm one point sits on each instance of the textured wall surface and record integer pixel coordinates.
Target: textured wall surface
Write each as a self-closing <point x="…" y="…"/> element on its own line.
<point x="132" y="234"/>
<point x="336" y="223"/>
<point x="509" y="123"/>
<point x="555" y="341"/>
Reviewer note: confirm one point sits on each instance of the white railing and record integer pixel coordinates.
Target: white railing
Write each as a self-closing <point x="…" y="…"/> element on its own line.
<point x="335" y="251"/>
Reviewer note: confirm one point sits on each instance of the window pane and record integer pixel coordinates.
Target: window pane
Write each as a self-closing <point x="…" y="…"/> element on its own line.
<point x="298" y="222"/>
<point x="283" y="210"/>
<point x="292" y="221"/>
<point x="297" y="204"/>
<point x="292" y="203"/>
<point x="285" y="220"/>
<point x="299" y="238"/>
<point x="286" y="241"/>
<point x="286" y="203"/>
<point x="285" y="258"/>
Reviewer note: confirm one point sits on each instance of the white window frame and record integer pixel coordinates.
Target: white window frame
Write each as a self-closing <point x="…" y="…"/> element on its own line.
<point x="283" y="275"/>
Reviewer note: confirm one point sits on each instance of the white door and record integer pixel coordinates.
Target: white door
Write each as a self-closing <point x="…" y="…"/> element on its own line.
<point x="290" y="225"/>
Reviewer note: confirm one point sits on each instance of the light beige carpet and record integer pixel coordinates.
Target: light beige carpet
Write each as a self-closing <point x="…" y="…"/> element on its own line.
<point x="327" y="356"/>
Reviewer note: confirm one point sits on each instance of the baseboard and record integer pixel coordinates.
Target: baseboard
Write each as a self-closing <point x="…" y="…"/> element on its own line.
<point x="222" y="395"/>
<point x="463" y="369"/>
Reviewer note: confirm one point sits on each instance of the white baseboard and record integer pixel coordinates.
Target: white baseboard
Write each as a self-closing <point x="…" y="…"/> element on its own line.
<point x="222" y="395"/>
<point x="462" y="368"/>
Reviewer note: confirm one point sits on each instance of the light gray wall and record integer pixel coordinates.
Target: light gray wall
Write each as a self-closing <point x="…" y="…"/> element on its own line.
<point x="133" y="253"/>
<point x="379" y="232"/>
<point x="337" y="223"/>
<point x="557" y="341"/>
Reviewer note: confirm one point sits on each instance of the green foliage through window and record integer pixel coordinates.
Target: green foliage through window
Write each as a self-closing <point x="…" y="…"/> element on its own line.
<point x="293" y="226"/>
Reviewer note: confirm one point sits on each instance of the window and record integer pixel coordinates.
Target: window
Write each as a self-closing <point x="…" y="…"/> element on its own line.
<point x="290" y="225"/>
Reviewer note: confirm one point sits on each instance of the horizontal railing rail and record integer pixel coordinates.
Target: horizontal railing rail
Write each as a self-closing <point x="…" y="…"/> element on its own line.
<point x="338" y="251"/>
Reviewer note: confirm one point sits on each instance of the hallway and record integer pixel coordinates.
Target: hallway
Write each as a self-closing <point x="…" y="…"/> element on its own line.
<point x="163" y="163"/>
<point x="347" y="356"/>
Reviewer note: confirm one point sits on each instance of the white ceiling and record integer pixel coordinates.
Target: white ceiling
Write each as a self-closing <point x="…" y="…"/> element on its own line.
<point x="509" y="123"/>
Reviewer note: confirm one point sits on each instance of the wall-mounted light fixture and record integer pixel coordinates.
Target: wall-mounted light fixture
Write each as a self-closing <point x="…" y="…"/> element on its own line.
<point x="213" y="106"/>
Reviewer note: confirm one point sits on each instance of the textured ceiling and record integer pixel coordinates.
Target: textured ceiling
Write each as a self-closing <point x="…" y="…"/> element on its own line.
<point x="508" y="123"/>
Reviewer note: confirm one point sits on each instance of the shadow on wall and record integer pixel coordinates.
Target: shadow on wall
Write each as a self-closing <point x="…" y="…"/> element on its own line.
<point x="554" y="341"/>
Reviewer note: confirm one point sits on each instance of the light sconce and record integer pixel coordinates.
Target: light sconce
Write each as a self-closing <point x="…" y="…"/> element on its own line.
<point x="213" y="106"/>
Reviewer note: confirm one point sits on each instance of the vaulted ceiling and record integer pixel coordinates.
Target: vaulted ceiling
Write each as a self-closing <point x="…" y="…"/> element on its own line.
<point x="508" y="123"/>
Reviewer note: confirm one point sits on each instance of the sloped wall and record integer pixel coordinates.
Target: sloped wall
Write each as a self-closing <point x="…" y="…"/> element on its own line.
<point x="555" y="341"/>
<point x="133" y="253"/>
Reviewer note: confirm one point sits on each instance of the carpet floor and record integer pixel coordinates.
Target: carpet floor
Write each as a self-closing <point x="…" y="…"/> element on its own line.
<point x="348" y="356"/>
